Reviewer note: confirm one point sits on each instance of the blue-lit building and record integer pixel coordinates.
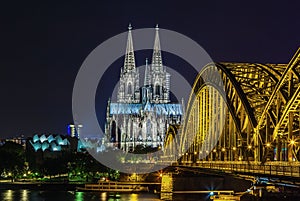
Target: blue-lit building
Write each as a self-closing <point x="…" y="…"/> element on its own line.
<point x="52" y="143"/>
<point x="60" y="143"/>
<point x="141" y="115"/>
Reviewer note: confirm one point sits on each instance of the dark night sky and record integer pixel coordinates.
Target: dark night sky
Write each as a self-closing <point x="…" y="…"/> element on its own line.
<point x="44" y="44"/>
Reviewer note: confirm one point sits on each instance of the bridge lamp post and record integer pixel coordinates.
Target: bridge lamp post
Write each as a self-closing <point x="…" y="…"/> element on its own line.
<point x="233" y="153"/>
<point x="186" y="157"/>
<point x="214" y="154"/>
<point x="195" y="157"/>
<point x="293" y="150"/>
<point x="292" y="142"/>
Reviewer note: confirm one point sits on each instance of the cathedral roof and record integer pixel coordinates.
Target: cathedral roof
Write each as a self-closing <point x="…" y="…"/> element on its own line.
<point x="136" y="108"/>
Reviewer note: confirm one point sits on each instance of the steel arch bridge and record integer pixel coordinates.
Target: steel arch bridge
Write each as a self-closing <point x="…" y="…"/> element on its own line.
<point x="248" y="113"/>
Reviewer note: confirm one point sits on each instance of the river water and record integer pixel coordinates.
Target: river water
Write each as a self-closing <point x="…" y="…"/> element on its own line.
<point x="31" y="195"/>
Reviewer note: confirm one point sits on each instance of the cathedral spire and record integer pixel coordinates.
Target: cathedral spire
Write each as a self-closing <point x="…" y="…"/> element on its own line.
<point x="129" y="62"/>
<point x="147" y="78"/>
<point x="156" y="58"/>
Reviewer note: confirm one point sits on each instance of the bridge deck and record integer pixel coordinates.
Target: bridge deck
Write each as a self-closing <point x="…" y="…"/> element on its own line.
<point x="286" y="169"/>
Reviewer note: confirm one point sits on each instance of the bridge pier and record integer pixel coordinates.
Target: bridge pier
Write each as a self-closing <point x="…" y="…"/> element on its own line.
<point x="199" y="183"/>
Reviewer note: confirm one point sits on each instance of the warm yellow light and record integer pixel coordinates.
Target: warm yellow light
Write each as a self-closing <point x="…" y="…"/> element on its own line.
<point x="268" y="144"/>
<point x="240" y="158"/>
<point x="223" y="149"/>
<point x="214" y="150"/>
<point x="292" y="142"/>
<point x="195" y="152"/>
<point x="9" y="174"/>
<point x="249" y="146"/>
<point x="233" y="148"/>
<point x="160" y="174"/>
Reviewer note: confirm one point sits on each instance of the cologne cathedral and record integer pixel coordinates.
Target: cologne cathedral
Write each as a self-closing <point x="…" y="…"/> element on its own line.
<point x="141" y="115"/>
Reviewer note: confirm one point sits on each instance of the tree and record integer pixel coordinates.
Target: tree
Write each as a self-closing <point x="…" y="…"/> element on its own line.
<point x="12" y="157"/>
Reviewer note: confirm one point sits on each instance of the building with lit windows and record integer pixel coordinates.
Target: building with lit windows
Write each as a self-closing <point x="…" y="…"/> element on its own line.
<point x="74" y="130"/>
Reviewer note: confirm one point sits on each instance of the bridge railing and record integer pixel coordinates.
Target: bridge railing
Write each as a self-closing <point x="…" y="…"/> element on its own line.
<point x="289" y="169"/>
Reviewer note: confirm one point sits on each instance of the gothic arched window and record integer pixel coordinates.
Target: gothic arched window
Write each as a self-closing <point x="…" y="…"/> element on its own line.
<point x="129" y="88"/>
<point x="113" y="134"/>
<point x="148" y="127"/>
<point x="157" y="89"/>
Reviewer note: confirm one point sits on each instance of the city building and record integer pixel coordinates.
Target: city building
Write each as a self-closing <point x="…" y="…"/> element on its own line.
<point x="74" y="130"/>
<point x="52" y="143"/>
<point x="60" y="143"/>
<point x="21" y="140"/>
<point x="141" y="115"/>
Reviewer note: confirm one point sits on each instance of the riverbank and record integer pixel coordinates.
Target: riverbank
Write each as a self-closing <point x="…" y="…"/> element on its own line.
<point x="41" y="186"/>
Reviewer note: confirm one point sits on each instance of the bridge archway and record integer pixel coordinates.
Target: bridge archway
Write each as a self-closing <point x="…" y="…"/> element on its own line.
<point x="260" y="107"/>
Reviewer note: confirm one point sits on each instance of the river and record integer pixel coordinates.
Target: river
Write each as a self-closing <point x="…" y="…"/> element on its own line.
<point x="34" y="195"/>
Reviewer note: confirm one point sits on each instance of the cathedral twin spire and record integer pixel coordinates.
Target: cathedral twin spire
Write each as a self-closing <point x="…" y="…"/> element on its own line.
<point x="156" y="78"/>
<point x="129" y="63"/>
<point x="156" y="57"/>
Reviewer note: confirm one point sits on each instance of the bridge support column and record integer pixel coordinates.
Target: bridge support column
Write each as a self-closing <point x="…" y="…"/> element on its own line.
<point x="166" y="187"/>
<point x="256" y="148"/>
<point x="290" y="136"/>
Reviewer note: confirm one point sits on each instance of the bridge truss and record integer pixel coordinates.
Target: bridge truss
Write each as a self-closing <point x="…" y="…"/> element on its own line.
<point x="241" y="112"/>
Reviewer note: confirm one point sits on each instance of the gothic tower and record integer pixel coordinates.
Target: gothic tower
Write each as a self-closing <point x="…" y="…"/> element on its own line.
<point x="160" y="78"/>
<point x="129" y="78"/>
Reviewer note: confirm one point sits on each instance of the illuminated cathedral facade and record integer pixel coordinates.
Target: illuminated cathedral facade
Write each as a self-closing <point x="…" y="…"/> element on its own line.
<point x="141" y="115"/>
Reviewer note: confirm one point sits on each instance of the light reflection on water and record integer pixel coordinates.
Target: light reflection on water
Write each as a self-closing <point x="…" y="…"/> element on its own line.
<point x="28" y="195"/>
<point x="24" y="195"/>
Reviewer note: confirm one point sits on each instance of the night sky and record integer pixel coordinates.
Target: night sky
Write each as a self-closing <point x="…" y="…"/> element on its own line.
<point x="44" y="44"/>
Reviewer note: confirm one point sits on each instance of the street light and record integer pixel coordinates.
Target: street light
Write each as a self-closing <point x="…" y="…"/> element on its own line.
<point x="292" y="142"/>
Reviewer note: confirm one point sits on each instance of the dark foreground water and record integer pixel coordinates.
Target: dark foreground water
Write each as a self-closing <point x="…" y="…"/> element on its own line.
<point x="34" y="195"/>
<point x="29" y="195"/>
